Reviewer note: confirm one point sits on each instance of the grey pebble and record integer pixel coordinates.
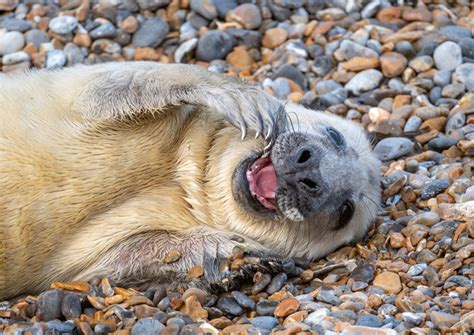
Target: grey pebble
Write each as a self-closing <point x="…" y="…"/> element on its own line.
<point x="442" y="78"/>
<point x="74" y="54"/>
<point x="151" y="33"/>
<point x="266" y="307"/>
<point x="453" y="90"/>
<point x="71" y="306"/>
<point x="455" y="33"/>
<point x="151" y="4"/>
<point x="447" y="56"/>
<point x="435" y="94"/>
<point x="336" y="97"/>
<point x="147" y="326"/>
<point x="102" y="328"/>
<point x="416" y="269"/>
<point x="49" y="305"/>
<point x="13" y="24"/>
<point x="229" y="306"/>
<point x="413" y="123"/>
<point x="327" y="86"/>
<point x="467" y="47"/>
<point x="106" y="30"/>
<point x="55" y="59"/>
<point x="214" y="44"/>
<point x="387" y="310"/>
<point x="10" y="42"/>
<point x="281" y="88"/>
<point x="441" y="142"/>
<point x="15" y="58"/>
<point x="364" y="272"/>
<point x="412" y="318"/>
<point x="455" y="121"/>
<point x="277" y="283"/>
<point x="321" y="65"/>
<point x="465" y="74"/>
<point x="351" y="49"/>
<point x="63" y="25"/>
<point x="224" y="6"/>
<point x="434" y="188"/>
<point x="328" y="296"/>
<point x="364" y="81"/>
<point x="369" y="320"/>
<point x="264" y="322"/>
<point x="393" y="147"/>
<point x="205" y="8"/>
<point x="185" y="49"/>
<point x="290" y="72"/>
<point x="243" y="300"/>
<point x="61" y="327"/>
<point x="180" y="323"/>
<point x="264" y="279"/>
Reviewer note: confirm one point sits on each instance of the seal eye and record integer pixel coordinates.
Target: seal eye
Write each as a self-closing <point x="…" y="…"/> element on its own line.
<point x="346" y="211"/>
<point x="336" y="137"/>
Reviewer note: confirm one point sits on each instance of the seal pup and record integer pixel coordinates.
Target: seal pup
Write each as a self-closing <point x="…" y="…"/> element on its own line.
<point x="107" y="169"/>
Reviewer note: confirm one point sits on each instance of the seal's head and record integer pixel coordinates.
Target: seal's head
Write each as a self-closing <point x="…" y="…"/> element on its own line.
<point x="317" y="189"/>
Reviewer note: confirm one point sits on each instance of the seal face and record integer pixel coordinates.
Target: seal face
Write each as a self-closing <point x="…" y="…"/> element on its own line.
<point x="322" y="177"/>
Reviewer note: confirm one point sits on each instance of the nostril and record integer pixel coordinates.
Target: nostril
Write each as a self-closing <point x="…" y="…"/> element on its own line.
<point x="304" y="156"/>
<point x="309" y="184"/>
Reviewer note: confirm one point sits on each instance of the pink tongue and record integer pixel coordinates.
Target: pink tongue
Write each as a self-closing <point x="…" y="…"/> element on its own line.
<point x="262" y="182"/>
<point x="266" y="182"/>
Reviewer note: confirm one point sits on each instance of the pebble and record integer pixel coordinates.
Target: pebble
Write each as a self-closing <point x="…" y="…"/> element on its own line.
<point x="433" y="188"/>
<point x="266" y="308"/>
<point x="464" y="73"/>
<point x="388" y="281"/>
<point x="329" y="297"/>
<point x="13" y="24"/>
<point x="442" y="319"/>
<point x="315" y="318"/>
<point x="442" y="78"/>
<point x="321" y="65"/>
<point x="247" y="14"/>
<point x="467" y="47"/>
<point x="286" y="307"/>
<point x="416" y="269"/>
<point x="274" y="37"/>
<point x="11" y="42"/>
<point x="413" y="123"/>
<point x="455" y="33"/>
<point x="214" y="44"/>
<point x="230" y="306"/>
<point x="49" y="305"/>
<point x="447" y="56"/>
<point x="393" y="147"/>
<point x="147" y="326"/>
<point x="264" y="322"/>
<point x="243" y="300"/>
<point x="55" y="59"/>
<point x="15" y="57"/>
<point x="350" y="49"/>
<point x="364" y="81"/>
<point x="71" y="306"/>
<point x="412" y="318"/>
<point x="369" y="320"/>
<point x="392" y="64"/>
<point x="63" y="25"/>
<point x="151" y="33"/>
<point x="277" y="283"/>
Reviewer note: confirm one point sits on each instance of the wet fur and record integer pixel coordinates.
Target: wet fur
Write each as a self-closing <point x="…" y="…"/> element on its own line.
<point x="103" y="167"/>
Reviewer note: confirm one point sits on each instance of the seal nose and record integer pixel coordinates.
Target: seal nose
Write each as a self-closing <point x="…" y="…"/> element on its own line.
<point x="302" y="170"/>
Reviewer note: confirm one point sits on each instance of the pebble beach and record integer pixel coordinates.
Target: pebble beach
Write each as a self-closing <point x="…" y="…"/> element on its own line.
<point x="404" y="70"/>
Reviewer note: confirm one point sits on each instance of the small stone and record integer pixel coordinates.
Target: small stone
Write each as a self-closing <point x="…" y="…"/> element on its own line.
<point x="290" y="72"/>
<point x="455" y="33"/>
<point x="467" y="47"/>
<point x="49" y="305"/>
<point x="147" y="326"/>
<point x="453" y="90"/>
<point x="274" y="37"/>
<point x="60" y="327"/>
<point x="193" y="308"/>
<point x="416" y="269"/>
<point x="357" y="64"/>
<point x="277" y="283"/>
<point x="412" y="318"/>
<point x="421" y="63"/>
<point x="413" y="123"/>
<point x="243" y="300"/>
<point x="448" y="56"/>
<point x="214" y="44"/>
<point x="315" y="318"/>
<point x="63" y="25"/>
<point x="321" y="65"/>
<point x="434" y="188"/>
<point x="442" y="319"/>
<point x="442" y="142"/>
<point x="71" y="306"/>
<point x="129" y="25"/>
<point x="247" y="14"/>
<point x="172" y="256"/>
<point x="427" y="219"/>
<point x="465" y="74"/>
<point x="389" y="282"/>
<point x="287" y="307"/>
<point x="230" y="306"/>
<point x="264" y="322"/>
<point x="266" y="307"/>
<point x="11" y="42"/>
<point x="185" y="49"/>
<point x="393" y="147"/>
<point x="329" y="297"/>
<point x="361" y="330"/>
<point x="240" y="58"/>
<point x="369" y="320"/>
<point x="106" y="30"/>
<point x="151" y="33"/>
<point x="205" y="8"/>
<point x="196" y="271"/>
<point x="12" y="24"/>
<point x="392" y="64"/>
<point x="15" y="58"/>
<point x="364" y="81"/>
<point x="350" y="49"/>
<point x="364" y="272"/>
<point x="8" y="5"/>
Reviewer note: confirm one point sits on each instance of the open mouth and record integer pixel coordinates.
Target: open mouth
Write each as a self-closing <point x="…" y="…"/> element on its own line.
<point x="262" y="182"/>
